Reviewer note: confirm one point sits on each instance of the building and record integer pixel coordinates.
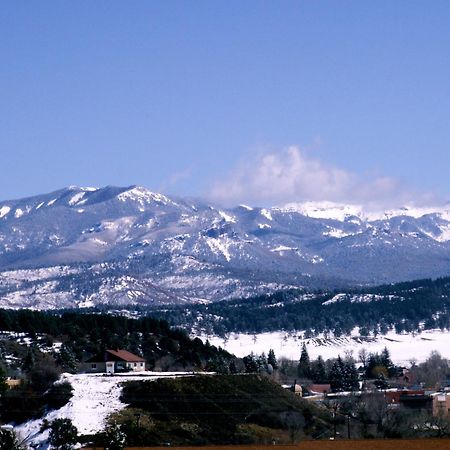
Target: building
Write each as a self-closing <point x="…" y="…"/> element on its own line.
<point x="13" y="382"/>
<point x="113" y="361"/>
<point x="416" y="399"/>
<point x="441" y="404"/>
<point x="320" y="388"/>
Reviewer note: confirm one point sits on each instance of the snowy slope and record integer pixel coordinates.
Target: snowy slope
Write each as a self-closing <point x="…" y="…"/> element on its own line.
<point x="403" y="347"/>
<point x="95" y="398"/>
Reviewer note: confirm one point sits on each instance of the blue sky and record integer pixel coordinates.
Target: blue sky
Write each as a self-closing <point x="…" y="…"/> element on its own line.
<point x="259" y="102"/>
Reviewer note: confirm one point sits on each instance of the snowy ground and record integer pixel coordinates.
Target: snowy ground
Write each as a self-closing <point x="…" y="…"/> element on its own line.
<point x="403" y="347"/>
<point x="95" y="397"/>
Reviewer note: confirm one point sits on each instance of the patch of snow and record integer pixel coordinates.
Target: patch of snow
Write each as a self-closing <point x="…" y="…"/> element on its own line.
<point x="266" y="213"/>
<point x="86" y="304"/>
<point x="76" y="198"/>
<point x="143" y="196"/>
<point x="261" y="226"/>
<point x="4" y="210"/>
<point x="347" y="212"/>
<point x="444" y="235"/>
<point x="19" y="213"/>
<point x="51" y="202"/>
<point x="227" y="217"/>
<point x="337" y="298"/>
<point x="283" y="248"/>
<point x="324" y="210"/>
<point x="218" y="245"/>
<point x="248" y="208"/>
<point x="361" y="298"/>
<point x="336" y="233"/>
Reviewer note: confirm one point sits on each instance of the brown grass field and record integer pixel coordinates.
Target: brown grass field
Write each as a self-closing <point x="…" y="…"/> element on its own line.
<point x="366" y="444"/>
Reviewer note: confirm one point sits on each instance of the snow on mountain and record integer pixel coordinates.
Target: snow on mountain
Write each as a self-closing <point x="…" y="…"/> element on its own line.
<point x="176" y="250"/>
<point x="325" y="210"/>
<point x="342" y="212"/>
<point x="4" y="210"/>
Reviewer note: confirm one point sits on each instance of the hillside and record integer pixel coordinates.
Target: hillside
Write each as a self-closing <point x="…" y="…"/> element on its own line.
<point x="225" y="409"/>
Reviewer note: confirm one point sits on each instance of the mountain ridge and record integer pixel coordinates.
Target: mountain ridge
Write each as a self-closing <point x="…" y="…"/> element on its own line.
<point x="147" y="247"/>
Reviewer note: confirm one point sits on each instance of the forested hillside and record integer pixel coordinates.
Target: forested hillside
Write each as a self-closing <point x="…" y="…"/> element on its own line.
<point x="411" y="306"/>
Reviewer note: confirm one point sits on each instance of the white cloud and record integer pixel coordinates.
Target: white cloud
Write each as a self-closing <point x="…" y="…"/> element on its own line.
<point x="293" y="176"/>
<point x="175" y="179"/>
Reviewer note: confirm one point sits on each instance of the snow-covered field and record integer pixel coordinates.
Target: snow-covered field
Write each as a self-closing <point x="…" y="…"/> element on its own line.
<point x="95" y="397"/>
<point x="403" y="347"/>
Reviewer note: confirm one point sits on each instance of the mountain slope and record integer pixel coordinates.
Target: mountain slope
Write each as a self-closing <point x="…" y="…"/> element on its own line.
<point x="85" y="246"/>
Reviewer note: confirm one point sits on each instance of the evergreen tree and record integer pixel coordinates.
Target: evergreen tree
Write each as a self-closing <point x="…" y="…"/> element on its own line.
<point x="250" y="363"/>
<point x="272" y="360"/>
<point x="337" y="375"/>
<point x="63" y="434"/>
<point x="262" y="363"/>
<point x="304" y="367"/>
<point x="318" y="371"/>
<point x="385" y="360"/>
<point x="9" y="441"/>
<point x="29" y="361"/>
<point x="3" y="385"/>
<point x="232" y="366"/>
<point x="66" y="359"/>
<point x="115" y="438"/>
<point x="350" y="380"/>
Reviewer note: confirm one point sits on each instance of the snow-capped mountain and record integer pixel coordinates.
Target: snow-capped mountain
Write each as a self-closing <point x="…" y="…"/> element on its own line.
<point x="85" y="246"/>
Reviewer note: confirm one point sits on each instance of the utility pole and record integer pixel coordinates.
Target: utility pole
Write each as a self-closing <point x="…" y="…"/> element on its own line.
<point x="348" y="426"/>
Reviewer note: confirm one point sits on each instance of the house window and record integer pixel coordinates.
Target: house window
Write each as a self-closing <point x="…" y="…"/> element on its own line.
<point x="134" y="364"/>
<point x="93" y="366"/>
<point x="142" y="364"/>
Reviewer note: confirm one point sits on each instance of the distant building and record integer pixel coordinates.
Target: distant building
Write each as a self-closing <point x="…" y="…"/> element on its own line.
<point x="113" y="361"/>
<point x="320" y="388"/>
<point x="413" y="399"/>
<point x="441" y="404"/>
<point x="295" y="388"/>
<point x="13" y="382"/>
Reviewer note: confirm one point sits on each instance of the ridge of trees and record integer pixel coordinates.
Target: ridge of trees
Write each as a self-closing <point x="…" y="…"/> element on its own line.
<point x="403" y="307"/>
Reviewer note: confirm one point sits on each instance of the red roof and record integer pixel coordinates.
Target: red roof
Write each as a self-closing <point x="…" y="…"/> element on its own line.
<point x="124" y="355"/>
<point x="320" y="388"/>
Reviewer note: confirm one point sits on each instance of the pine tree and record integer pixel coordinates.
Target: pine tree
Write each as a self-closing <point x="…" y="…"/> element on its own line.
<point x="385" y="360"/>
<point x="66" y="359"/>
<point x="318" y="371"/>
<point x="250" y="363"/>
<point x="350" y="381"/>
<point x="272" y="360"/>
<point x="63" y="434"/>
<point x="115" y="438"/>
<point x="29" y="360"/>
<point x="3" y="385"/>
<point x="304" y="367"/>
<point x="9" y="441"/>
<point x="337" y="375"/>
<point x="262" y="363"/>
